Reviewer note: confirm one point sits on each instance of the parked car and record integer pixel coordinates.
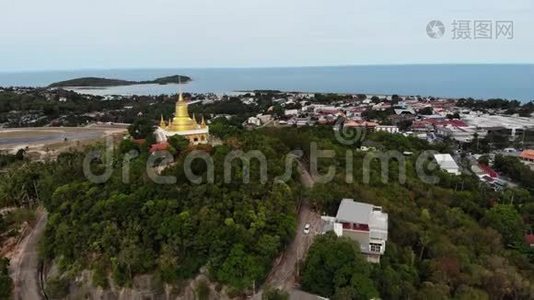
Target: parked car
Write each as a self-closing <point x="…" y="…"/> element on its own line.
<point x="307" y="228"/>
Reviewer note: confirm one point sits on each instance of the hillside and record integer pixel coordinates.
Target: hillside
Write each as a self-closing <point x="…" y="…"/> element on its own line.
<point x="450" y="239"/>
<point x="103" y="82"/>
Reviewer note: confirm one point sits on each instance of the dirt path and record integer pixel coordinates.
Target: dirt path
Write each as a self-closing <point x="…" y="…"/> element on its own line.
<point x="284" y="273"/>
<point x="24" y="263"/>
<point x="7" y="210"/>
<point x="54" y="139"/>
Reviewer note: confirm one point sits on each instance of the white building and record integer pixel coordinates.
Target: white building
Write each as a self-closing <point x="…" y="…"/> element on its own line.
<point x="364" y="223"/>
<point x="254" y="121"/>
<point x="463" y="134"/>
<point x="447" y="163"/>
<point x="407" y="110"/>
<point x="514" y="124"/>
<point x="291" y="112"/>
<point x="387" y="128"/>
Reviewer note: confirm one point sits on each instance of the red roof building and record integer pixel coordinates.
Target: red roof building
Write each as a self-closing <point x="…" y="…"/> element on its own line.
<point x="527" y="155"/>
<point x="360" y="123"/>
<point x="453" y="123"/>
<point x="158" y="147"/>
<point x="422" y="125"/>
<point x="488" y="170"/>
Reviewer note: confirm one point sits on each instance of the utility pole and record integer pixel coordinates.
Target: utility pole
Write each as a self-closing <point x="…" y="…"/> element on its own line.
<point x="254" y="287"/>
<point x="523" y="142"/>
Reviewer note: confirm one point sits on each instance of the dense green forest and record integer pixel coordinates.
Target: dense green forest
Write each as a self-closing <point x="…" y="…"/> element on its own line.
<point x="5" y="280"/>
<point x="335" y="268"/>
<point x="453" y="239"/>
<point x="172" y="230"/>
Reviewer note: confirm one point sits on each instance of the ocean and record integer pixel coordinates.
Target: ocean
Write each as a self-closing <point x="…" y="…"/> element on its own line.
<point x="454" y="81"/>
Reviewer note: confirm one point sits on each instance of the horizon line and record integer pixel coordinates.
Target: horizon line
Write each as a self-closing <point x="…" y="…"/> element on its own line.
<point x="262" y="67"/>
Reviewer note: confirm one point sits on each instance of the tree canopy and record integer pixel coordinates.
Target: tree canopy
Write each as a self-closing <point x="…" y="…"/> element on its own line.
<point x="336" y="269"/>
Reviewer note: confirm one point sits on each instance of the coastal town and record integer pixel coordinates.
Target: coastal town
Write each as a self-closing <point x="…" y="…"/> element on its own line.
<point x="508" y="125"/>
<point x="267" y="150"/>
<point x="477" y="144"/>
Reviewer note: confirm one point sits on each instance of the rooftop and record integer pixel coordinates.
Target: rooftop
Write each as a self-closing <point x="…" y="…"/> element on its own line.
<point x="495" y="121"/>
<point x="446" y="161"/>
<point x="361" y="213"/>
<point x="527" y="154"/>
<point x="158" y="147"/>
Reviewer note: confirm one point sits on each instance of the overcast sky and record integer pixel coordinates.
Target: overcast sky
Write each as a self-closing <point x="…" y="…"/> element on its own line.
<point x="74" y="34"/>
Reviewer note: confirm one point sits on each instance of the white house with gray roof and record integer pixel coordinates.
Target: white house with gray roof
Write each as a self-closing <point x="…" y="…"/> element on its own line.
<point x="365" y="223"/>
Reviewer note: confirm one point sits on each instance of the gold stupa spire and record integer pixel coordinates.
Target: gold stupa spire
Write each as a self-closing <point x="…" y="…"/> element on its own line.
<point x="162" y="122"/>
<point x="181" y="120"/>
<point x="203" y="123"/>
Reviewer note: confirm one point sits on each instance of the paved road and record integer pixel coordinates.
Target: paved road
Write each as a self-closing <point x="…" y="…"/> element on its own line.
<point x="284" y="274"/>
<point x="24" y="263"/>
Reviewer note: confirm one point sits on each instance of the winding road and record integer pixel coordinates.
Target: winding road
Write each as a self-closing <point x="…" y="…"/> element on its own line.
<point x="25" y="263"/>
<point x="284" y="274"/>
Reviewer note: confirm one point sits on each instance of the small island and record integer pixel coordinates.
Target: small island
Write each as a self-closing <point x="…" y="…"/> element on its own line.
<point x="106" y="82"/>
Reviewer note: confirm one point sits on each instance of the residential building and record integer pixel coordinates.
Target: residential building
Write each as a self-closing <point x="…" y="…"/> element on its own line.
<point x="422" y="126"/>
<point x="402" y="111"/>
<point x="254" y="121"/>
<point x="460" y="134"/>
<point x="387" y="128"/>
<point x="513" y="126"/>
<point x="447" y="163"/>
<point x="301" y="122"/>
<point x="291" y="112"/>
<point x="362" y="222"/>
<point x="527" y="155"/>
<point x="360" y="124"/>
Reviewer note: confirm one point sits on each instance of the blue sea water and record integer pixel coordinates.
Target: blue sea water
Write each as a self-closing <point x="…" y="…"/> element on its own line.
<point x="455" y="81"/>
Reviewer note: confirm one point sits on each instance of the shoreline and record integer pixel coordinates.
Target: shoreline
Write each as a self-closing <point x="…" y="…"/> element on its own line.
<point x="483" y="81"/>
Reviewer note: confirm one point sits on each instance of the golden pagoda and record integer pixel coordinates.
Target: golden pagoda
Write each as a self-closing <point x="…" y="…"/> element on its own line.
<point x="182" y="124"/>
<point x="181" y="120"/>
